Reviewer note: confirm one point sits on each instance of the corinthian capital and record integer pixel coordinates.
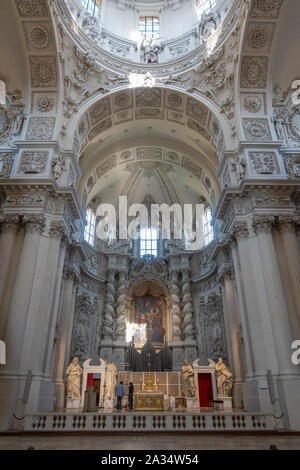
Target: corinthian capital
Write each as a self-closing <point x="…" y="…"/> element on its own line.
<point x="57" y="230"/>
<point x="10" y="223"/>
<point x="34" y="223"/>
<point x="240" y="231"/>
<point x="263" y="224"/>
<point x="287" y="223"/>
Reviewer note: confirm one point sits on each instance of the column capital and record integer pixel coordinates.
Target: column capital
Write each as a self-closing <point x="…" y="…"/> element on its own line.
<point x="225" y="271"/>
<point x="240" y="230"/>
<point x="263" y="224"/>
<point x="57" y="230"/>
<point x="71" y="274"/>
<point x="10" y="223"/>
<point x="34" y="223"/>
<point x="287" y="223"/>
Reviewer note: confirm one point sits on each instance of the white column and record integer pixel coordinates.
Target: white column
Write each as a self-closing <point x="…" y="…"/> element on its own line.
<point x="12" y="377"/>
<point x="245" y="346"/>
<point x="64" y="336"/>
<point x="233" y="335"/>
<point x="18" y="314"/>
<point x="10" y="227"/>
<point x="292" y="260"/>
<point x="56" y="300"/>
<point x="39" y="320"/>
<point x="277" y="306"/>
<point x="256" y="323"/>
<point x="287" y="378"/>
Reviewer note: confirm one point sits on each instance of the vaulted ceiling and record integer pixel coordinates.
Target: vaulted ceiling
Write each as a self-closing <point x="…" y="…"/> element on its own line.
<point x="149" y="141"/>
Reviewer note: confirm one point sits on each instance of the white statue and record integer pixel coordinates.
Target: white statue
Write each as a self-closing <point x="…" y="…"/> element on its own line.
<point x="150" y="49"/>
<point x="74" y="373"/>
<point x="208" y="27"/>
<point x="111" y="374"/>
<point x="239" y="167"/>
<point x="188" y="380"/>
<point x="224" y="379"/>
<point x="58" y="165"/>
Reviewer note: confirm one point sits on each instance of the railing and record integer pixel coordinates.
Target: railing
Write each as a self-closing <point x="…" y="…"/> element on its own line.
<point x="137" y="422"/>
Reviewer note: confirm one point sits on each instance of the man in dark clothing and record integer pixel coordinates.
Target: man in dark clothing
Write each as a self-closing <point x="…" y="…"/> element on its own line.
<point x="120" y="394"/>
<point x="130" y="395"/>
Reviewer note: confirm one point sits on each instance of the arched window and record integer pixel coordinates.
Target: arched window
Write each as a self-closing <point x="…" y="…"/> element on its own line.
<point x="89" y="231"/>
<point x="149" y="27"/>
<point x="205" y="6"/>
<point x="148" y="242"/>
<point x="208" y="231"/>
<point x="92" y="6"/>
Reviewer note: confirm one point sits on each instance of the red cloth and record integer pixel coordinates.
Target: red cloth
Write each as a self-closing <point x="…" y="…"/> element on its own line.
<point x="89" y="381"/>
<point x="205" y="390"/>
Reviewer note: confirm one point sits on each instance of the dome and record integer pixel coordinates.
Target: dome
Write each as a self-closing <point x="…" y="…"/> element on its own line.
<point x="150" y="31"/>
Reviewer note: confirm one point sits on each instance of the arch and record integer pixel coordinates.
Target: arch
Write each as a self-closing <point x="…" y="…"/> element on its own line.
<point x="75" y="124"/>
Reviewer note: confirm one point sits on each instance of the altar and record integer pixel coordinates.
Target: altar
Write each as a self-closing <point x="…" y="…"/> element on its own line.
<point x="149" y="401"/>
<point x="149" y="398"/>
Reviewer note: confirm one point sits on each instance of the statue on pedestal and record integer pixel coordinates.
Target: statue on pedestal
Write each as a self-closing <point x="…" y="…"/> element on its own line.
<point x="74" y="373"/>
<point x="111" y="374"/>
<point x="188" y="380"/>
<point x="224" y="379"/>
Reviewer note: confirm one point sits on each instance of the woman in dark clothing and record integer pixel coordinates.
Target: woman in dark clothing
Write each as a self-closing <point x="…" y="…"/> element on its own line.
<point x="130" y="395"/>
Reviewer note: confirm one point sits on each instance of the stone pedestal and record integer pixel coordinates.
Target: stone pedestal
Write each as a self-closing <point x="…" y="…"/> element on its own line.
<point x="109" y="403"/>
<point x="73" y="404"/>
<point x="227" y="402"/>
<point x="192" y="403"/>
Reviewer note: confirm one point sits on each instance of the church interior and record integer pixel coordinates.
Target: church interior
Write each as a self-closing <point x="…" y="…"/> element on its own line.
<point x="123" y="107"/>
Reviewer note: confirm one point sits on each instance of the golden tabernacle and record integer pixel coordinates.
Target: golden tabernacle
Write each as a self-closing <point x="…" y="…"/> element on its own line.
<point x="149" y="398"/>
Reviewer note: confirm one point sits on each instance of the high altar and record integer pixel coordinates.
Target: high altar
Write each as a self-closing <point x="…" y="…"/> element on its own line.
<point x="157" y="391"/>
<point x="149" y="398"/>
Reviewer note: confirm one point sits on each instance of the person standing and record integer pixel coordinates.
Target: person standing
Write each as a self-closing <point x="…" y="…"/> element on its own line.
<point x="120" y="394"/>
<point x="130" y="395"/>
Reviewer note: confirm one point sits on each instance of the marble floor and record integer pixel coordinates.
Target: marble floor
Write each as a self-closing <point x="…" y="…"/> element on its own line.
<point x="150" y="442"/>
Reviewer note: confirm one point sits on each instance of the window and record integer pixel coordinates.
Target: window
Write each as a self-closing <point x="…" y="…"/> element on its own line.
<point x="89" y="231"/>
<point x="92" y="6"/>
<point x="148" y="242"/>
<point x="149" y="27"/>
<point x="205" y="6"/>
<point x="208" y="231"/>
